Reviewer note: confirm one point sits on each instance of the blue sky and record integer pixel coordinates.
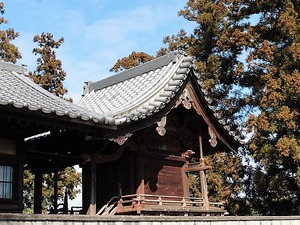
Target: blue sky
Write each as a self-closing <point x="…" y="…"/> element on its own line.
<point x="96" y="32"/>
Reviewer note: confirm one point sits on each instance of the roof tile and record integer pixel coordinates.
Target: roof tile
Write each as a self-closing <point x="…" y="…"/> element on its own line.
<point x="135" y="95"/>
<point x="17" y="90"/>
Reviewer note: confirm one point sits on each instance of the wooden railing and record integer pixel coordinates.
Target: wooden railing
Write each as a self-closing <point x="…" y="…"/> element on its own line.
<point x="110" y="207"/>
<point x="164" y="200"/>
<point x="137" y="202"/>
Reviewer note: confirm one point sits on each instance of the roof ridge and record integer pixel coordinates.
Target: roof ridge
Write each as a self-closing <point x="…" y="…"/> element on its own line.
<point x="13" y="67"/>
<point x="132" y="72"/>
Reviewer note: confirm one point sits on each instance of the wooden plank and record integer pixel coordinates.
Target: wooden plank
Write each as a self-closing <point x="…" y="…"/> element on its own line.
<point x="196" y="168"/>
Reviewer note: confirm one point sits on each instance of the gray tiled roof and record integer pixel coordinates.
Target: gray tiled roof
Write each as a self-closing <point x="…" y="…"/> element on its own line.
<point x="139" y="92"/>
<point x="18" y="91"/>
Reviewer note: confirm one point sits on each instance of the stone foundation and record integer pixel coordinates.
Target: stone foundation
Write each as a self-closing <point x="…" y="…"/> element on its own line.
<point x="23" y="219"/>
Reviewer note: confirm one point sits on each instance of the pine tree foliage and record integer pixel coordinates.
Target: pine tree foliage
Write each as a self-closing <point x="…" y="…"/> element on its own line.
<point x="68" y="183"/>
<point x="28" y="187"/>
<point x="133" y="60"/>
<point x="274" y="63"/>
<point x="49" y="73"/>
<point x="8" y="51"/>
<point x="218" y="43"/>
<point x="225" y="181"/>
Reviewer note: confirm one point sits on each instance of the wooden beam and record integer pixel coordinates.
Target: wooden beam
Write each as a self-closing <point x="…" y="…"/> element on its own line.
<point x="197" y="168"/>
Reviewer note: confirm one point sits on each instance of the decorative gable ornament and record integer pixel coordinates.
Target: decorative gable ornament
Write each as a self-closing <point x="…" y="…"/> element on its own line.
<point x="185" y="99"/>
<point x="161" y="130"/>
<point x="213" y="137"/>
<point x="121" y="139"/>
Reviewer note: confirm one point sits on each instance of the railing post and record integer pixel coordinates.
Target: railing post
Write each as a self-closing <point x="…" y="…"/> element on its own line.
<point x="138" y="198"/>
<point x="120" y="202"/>
<point x="183" y="202"/>
<point x="159" y="200"/>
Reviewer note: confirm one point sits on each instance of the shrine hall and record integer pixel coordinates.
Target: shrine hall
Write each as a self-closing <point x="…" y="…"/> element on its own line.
<point x="136" y="135"/>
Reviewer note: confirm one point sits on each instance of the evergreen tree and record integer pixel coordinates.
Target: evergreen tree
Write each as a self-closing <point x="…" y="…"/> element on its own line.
<point x="134" y="59"/>
<point x="68" y="185"/>
<point x="28" y="187"/>
<point x="274" y="63"/>
<point x="8" y="51"/>
<point x="174" y="43"/>
<point x="255" y="65"/>
<point x="49" y="73"/>
<point x="68" y="182"/>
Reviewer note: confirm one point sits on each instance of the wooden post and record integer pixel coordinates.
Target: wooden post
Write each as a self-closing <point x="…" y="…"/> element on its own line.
<point x="140" y="175"/>
<point x="140" y="178"/>
<point x="66" y="208"/>
<point x="92" y="187"/>
<point x="185" y="183"/>
<point x="132" y="176"/>
<point x="38" y="190"/>
<point x="55" y="178"/>
<point x="203" y="181"/>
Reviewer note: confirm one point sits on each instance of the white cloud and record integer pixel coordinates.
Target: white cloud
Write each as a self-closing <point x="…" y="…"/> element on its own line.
<point x="108" y="39"/>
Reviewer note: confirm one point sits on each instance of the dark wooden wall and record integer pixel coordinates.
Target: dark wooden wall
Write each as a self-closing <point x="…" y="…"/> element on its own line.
<point x="115" y="178"/>
<point x="163" y="176"/>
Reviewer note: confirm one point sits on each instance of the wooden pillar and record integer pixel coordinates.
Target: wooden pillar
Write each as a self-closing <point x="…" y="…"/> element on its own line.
<point x="66" y="207"/>
<point x="92" y="180"/>
<point x="203" y="181"/>
<point x="185" y="183"/>
<point x="132" y="175"/>
<point x="140" y="175"/>
<point x="38" y="191"/>
<point x="55" y="178"/>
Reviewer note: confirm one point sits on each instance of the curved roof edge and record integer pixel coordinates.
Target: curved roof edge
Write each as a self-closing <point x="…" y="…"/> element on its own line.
<point x="18" y="91"/>
<point x="138" y="92"/>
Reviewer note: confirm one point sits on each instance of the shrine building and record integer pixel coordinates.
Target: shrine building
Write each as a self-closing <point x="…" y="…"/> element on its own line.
<point x="133" y="134"/>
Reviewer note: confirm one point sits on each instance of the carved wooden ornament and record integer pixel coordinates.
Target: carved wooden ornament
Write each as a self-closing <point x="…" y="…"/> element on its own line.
<point x="161" y="130"/>
<point x="185" y="99"/>
<point x="121" y="139"/>
<point x="213" y="137"/>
